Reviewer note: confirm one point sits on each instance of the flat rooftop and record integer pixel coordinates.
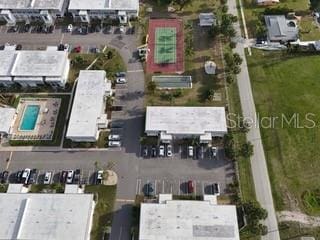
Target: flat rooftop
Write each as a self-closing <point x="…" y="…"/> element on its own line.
<point x="45" y="216"/>
<point x="6" y="118"/>
<point x="104" y="5"/>
<point x="186" y="120"/>
<point x="31" y="4"/>
<point x="188" y="220"/>
<point x="88" y="103"/>
<point x="39" y="63"/>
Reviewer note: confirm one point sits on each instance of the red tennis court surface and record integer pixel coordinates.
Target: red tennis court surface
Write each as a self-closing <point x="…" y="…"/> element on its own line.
<point x="178" y="66"/>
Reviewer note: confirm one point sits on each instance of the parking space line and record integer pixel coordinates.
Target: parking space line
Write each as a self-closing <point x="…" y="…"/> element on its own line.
<point x="179" y="187"/>
<point x="202" y="188"/>
<point x="138" y="186"/>
<point x="163" y="186"/>
<point x="155" y="187"/>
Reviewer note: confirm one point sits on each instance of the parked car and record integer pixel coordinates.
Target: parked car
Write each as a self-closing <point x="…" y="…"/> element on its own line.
<point x="216" y="189"/>
<point x="47" y="178"/>
<point x="121" y="74"/>
<point x="213" y="152"/>
<point x="169" y="150"/>
<point x="114" y="137"/>
<point x="61" y="47"/>
<point x="70" y="176"/>
<point x="4" y="177"/>
<point x="99" y="177"/>
<point x="145" y="152"/>
<point x="18" y="47"/>
<point x="190" y="151"/>
<point x="190" y="186"/>
<point x="153" y="151"/>
<point x="108" y="29"/>
<point x="26" y="28"/>
<point x="94" y="50"/>
<point x="114" y="144"/>
<point x="63" y="176"/>
<point x="77" y="174"/>
<point x="121" y="80"/>
<point x="25" y="175"/>
<point x="33" y="176"/>
<point x="77" y="49"/>
<point x="69" y="28"/>
<point x="122" y="29"/>
<point x="161" y="150"/>
<point x="19" y="176"/>
<point x="149" y="189"/>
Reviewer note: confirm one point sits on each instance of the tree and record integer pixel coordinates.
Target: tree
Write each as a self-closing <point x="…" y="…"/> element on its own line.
<point x="110" y="54"/>
<point x="236" y="69"/>
<point x="260" y="29"/>
<point x="152" y="86"/>
<point x="254" y="213"/>
<point x="230" y="78"/>
<point x="210" y="94"/>
<point x="246" y="150"/>
<point x="237" y="59"/>
<point x="182" y="3"/>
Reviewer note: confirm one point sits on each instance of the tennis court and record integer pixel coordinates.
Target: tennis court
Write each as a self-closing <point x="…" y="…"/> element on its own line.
<point x="172" y="81"/>
<point x="165" y="45"/>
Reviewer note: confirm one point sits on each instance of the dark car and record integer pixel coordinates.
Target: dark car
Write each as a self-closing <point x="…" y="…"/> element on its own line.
<point x="63" y="177"/>
<point x="145" y="152"/>
<point x="33" y="176"/>
<point x="60" y="47"/>
<point x="77" y="174"/>
<point x="4" y="177"/>
<point x="19" y="176"/>
<point x="216" y="189"/>
<point x="149" y="189"/>
<point x="26" y="28"/>
<point x="190" y="186"/>
<point x="13" y="29"/>
<point x="18" y="47"/>
<point x="153" y="151"/>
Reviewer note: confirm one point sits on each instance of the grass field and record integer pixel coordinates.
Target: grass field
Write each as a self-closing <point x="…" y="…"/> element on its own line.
<point x="165" y="49"/>
<point x="284" y="86"/>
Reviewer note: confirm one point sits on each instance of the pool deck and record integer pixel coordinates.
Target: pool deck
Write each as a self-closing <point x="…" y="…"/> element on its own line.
<point x="46" y="122"/>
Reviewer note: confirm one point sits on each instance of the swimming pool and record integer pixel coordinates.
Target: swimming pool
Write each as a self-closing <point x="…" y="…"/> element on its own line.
<point x="30" y="117"/>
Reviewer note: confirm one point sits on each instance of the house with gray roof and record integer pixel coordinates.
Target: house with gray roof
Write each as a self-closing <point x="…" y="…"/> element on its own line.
<point x="281" y="29"/>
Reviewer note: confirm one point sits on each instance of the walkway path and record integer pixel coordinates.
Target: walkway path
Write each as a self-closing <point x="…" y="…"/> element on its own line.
<point x="258" y="161"/>
<point x="289" y="216"/>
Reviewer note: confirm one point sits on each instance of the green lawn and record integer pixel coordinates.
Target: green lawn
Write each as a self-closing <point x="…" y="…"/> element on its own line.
<point x="284" y="86"/>
<point x="102" y="217"/>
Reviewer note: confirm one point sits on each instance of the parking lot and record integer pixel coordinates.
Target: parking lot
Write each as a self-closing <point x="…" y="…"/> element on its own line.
<point x="183" y="151"/>
<point x="86" y="176"/>
<point x="176" y="187"/>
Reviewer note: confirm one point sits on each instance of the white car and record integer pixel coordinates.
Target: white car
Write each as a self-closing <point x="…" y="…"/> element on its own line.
<point x="26" y="175"/>
<point x="47" y="178"/>
<point x="70" y="28"/>
<point x="114" y="144"/>
<point x="161" y="151"/>
<point x="114" y="137"/>
<point x="122" y="29"/>
<point x="169" y="150"/>
<point x="214" y="152"/>
<point x="70" y="176"/>
<point x="190" y="151"/>
<point x="121" y="80"/>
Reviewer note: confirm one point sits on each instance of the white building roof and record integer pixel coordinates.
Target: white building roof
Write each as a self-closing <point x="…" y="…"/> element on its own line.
<point x="186" y="120"/>
<point x="33" y="65"/>
<point x="207" y="19"/>
<point x="88" y="104"/>
<point x="31" y="4"/>
<point x="40" y="63"/>
<point x="45" y="216"/>
<point x="6" y="119"/>
<point x="188" y="220"/>
<point x="104" y="5"/>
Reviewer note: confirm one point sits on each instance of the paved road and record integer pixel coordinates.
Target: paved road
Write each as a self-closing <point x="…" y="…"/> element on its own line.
<point x="258" y="160"/>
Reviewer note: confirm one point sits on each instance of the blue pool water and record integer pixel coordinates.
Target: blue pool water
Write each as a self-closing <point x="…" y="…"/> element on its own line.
<point x="30" y="117"/>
